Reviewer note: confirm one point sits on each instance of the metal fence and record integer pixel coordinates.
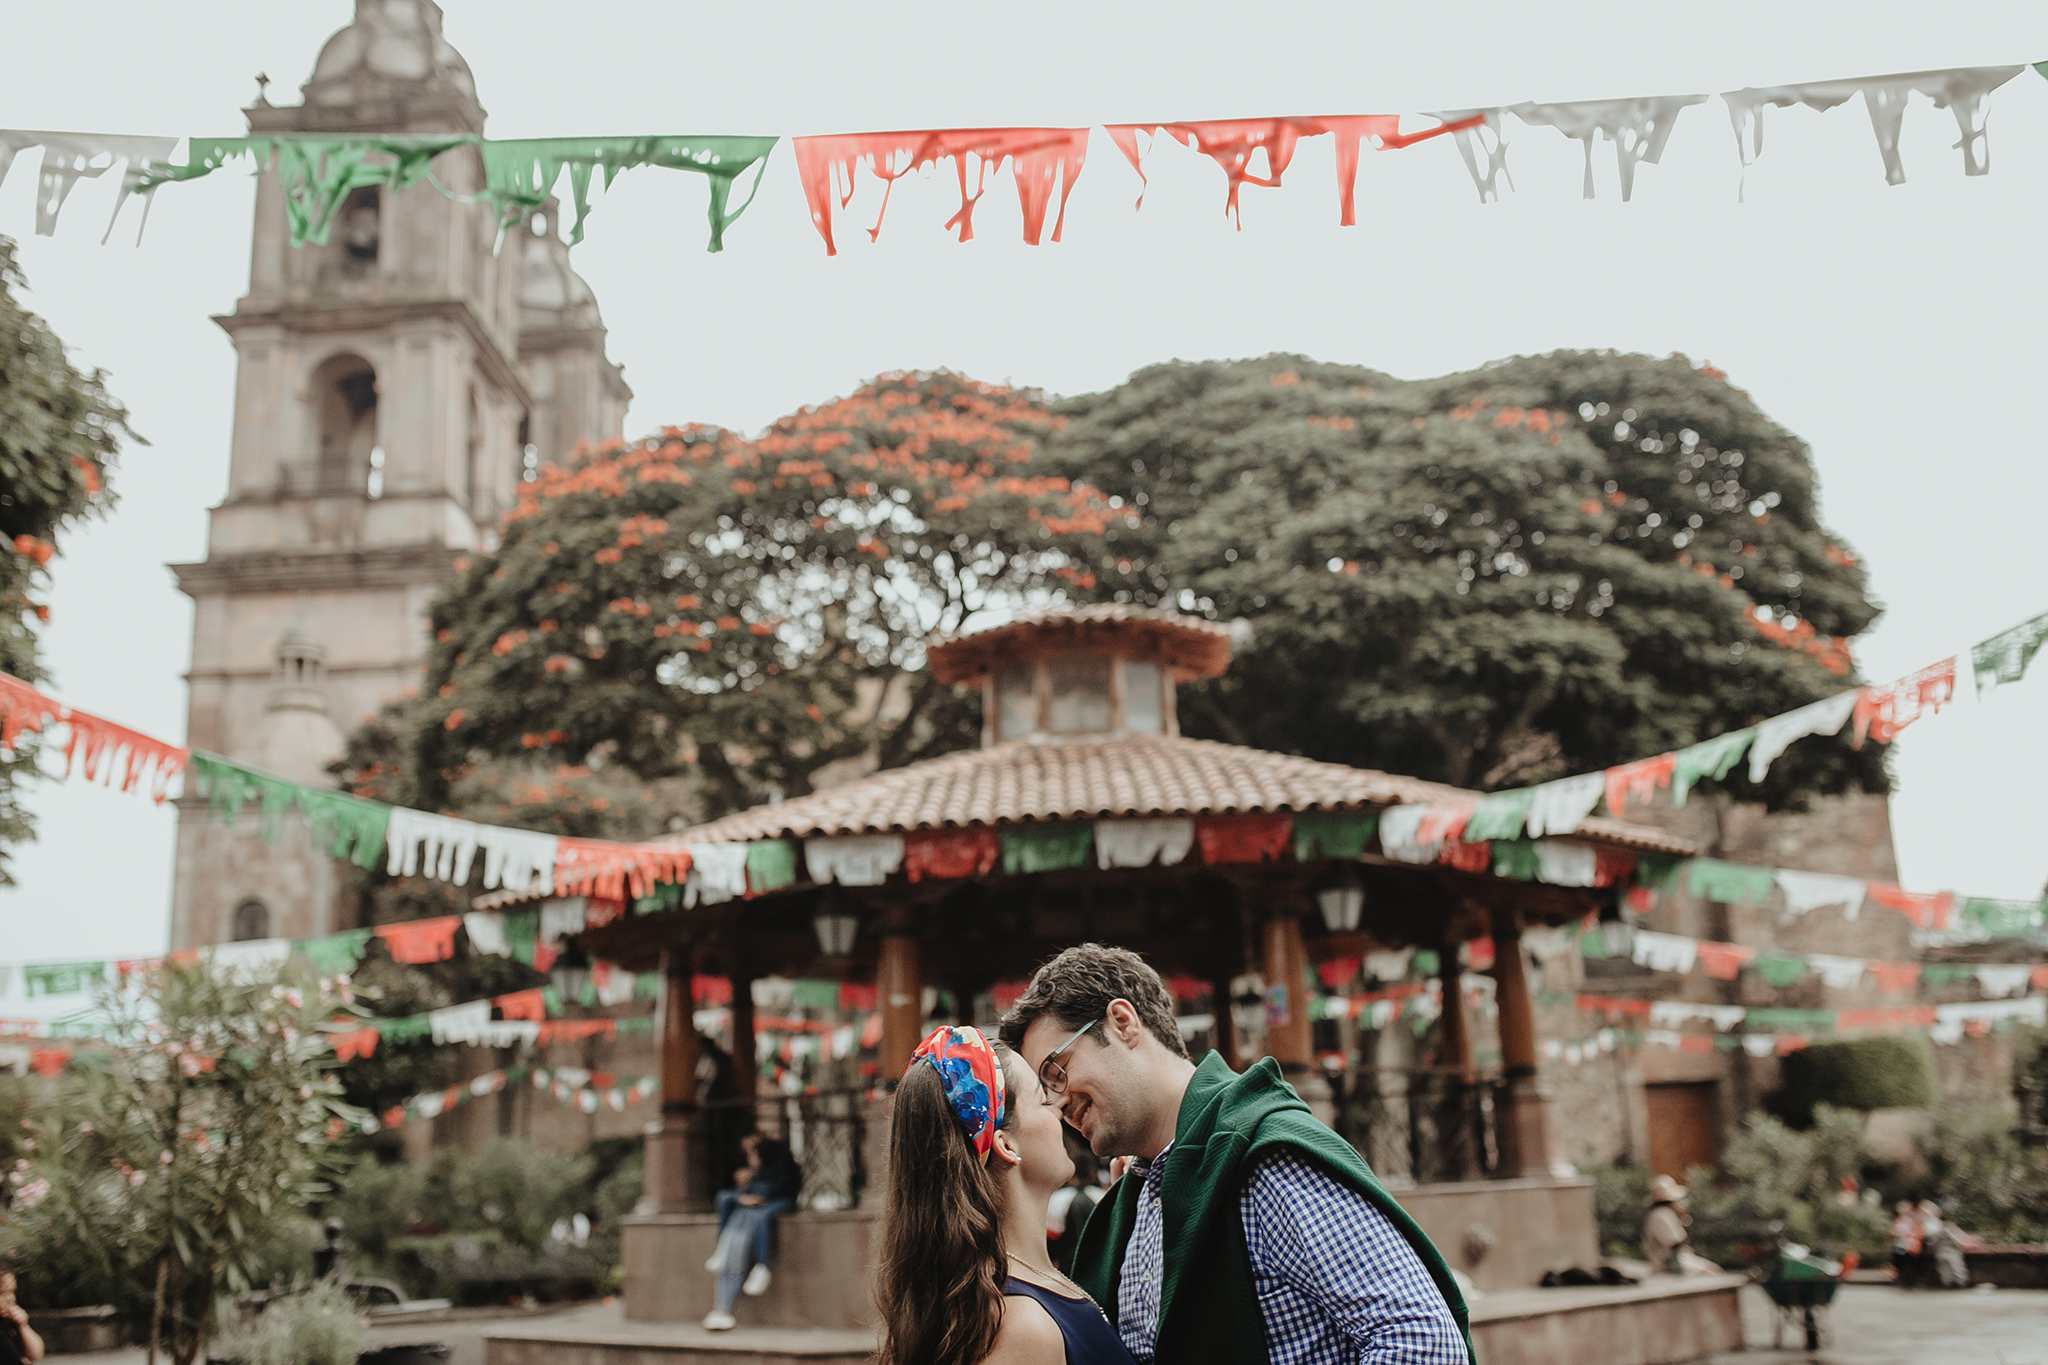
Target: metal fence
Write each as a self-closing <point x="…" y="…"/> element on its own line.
<point x="824" y="1131"/>
<point x="1419" y="1126"/>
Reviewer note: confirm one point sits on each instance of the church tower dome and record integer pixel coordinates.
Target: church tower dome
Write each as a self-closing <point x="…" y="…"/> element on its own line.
<point x="394" y="46"/>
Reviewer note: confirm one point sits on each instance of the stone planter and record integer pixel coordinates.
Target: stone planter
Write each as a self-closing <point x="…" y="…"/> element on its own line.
<point x="73" y="1331"/>
<point x="400" y="1353"/>
<point x="405" y="1353"/>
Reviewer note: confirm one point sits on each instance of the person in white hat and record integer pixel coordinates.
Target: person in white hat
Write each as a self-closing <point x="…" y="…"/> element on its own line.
<point x="1664" y="1227"/>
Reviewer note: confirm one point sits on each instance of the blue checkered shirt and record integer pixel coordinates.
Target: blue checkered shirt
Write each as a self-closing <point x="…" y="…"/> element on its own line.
<point x="1337" y="1283"/>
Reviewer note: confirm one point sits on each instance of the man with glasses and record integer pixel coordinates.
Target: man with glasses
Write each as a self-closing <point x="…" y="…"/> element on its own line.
<point x="1244" y="1231"/>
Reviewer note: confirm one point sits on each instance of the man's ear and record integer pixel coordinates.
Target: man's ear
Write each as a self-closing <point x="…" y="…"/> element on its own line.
<point x="1124" y="1024"/>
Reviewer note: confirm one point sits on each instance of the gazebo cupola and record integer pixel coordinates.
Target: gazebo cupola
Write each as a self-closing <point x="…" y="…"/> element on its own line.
<point x="1096" y="672"/>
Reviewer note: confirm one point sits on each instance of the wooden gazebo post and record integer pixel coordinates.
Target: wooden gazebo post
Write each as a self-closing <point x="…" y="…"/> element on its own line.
<point x="899" y="991"/>
<point x="1530" y="1144"/>
<point x="1290" y="1041"/>
<point x="1456" y="1106"/>
<point x="675" y="1142"/>
<point x="900" y="986"/>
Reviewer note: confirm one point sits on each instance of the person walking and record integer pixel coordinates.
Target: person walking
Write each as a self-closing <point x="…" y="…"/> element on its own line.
<point x="1906" y="1237"/>
<point x="1943" y="1241"/>
<point x="1244" y="1231"/>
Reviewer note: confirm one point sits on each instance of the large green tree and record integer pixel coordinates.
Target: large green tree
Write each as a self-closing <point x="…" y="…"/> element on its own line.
<point x="59" y="433"/>
<point x="753" y="611"/>
<point x="1549" y="565"/>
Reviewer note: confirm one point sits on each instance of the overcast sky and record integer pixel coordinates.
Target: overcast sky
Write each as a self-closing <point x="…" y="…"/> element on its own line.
<point x="1896" y="329"/>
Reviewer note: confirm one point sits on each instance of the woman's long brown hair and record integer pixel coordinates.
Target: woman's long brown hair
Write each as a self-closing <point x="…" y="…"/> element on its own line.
<point x="939" y="1285"/>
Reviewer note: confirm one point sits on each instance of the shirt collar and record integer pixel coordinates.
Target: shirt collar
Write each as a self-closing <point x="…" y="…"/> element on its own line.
<point x="1151" y="1172"/>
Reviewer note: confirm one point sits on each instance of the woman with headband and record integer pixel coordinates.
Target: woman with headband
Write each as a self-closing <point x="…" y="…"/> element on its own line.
<point x="975" y="1153"/>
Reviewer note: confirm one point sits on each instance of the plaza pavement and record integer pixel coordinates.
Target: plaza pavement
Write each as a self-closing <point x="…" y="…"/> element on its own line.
<point x="1871" y="1325"/>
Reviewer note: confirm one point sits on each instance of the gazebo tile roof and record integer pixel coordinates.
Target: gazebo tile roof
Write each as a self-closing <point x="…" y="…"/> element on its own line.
<point x="1025" y="782"/>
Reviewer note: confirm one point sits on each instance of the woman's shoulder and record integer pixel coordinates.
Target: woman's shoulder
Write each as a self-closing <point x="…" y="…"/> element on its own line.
<point x="1028" y="1335"/>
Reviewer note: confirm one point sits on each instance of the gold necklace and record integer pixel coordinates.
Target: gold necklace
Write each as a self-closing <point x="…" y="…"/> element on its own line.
<point x="1086" y="1297"/>
<point x="1051" y="1270"/>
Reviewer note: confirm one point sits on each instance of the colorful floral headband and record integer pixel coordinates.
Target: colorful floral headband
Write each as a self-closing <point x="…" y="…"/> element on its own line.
<point x="973" y="1079"/>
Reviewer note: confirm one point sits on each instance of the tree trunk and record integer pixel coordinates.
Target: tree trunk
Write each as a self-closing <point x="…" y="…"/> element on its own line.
<point x="156" y="1312"/>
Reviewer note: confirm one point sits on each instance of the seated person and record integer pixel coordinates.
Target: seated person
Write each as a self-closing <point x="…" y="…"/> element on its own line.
<point x="763" y="1190"/>
<point x="1666" y="1234"/>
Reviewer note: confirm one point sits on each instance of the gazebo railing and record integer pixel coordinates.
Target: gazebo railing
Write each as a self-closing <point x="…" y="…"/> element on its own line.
<point x="1420" y="1126"/>
<point x="824" y="1132"/>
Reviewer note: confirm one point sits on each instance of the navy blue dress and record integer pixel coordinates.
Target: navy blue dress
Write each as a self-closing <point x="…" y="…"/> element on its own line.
<point x="1089" y="1337"/>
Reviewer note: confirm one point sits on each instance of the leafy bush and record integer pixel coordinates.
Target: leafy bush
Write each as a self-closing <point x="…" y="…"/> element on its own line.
<point x="618" y="1192"/>
<point x="1882" y="1072"/>
<point x="1618" y="1194"/>
<point x="1805" y="1182"/>
<point x="510" y="1187"/>
<point x="411" y="1223"/>
<point x="1773" y="1179"/>
<point x="315" y="1327"/>
<point x="173" y="1175"/>
<point x="50" y="1242"/>
<point x="2000" y="1187"/>
<point x="375" y="1203"/>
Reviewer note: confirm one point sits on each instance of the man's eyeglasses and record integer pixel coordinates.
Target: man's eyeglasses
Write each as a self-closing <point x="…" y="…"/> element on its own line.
<point x="1051" y="1074"/>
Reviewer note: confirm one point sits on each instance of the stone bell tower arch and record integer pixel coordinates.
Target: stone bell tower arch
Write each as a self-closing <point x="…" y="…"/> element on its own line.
<point x="393" y="387"/>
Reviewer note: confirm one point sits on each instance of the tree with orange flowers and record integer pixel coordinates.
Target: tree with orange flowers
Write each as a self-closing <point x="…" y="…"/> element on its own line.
<point x="755" y="611"/>
<point x="59" y="432"/>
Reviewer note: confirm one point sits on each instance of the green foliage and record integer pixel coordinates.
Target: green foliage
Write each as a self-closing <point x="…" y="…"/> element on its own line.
<point x="752" y="612"/>
<point x="1881" y="1072"/>
<point x="1618" y="1194"/>
<point x="2000" y="1187"/>
<point x="175" y="1174"/>
<point x="59" y="433"/>
<point x="1550" y="565"/>
<point x="403" y="1221"/>
<point x="1805" y="1182"/>
<point x="510" y="1187"/>
<point x="17" y="1098"/>
<point x="617" y="1193"/>
<point x="315" y="1326"/>
<point x="376" y="1202"/>
<point x="397" y="1071"/>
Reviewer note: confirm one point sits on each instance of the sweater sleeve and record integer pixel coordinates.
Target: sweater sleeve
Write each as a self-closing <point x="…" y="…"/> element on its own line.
<point x="1337" y="1280"/>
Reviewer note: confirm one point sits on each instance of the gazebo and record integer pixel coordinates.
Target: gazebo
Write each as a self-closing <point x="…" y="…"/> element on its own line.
<point x="1087" y="815"/>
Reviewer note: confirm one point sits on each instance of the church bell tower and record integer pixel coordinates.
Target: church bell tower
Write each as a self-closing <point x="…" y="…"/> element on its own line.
<point x="393" y="387"/>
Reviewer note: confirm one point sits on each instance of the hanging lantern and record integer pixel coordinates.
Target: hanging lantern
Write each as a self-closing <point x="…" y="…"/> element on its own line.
<point x="836" y="923"/>
<point x="1340" y="895"/>
<point x="570" y="974"/>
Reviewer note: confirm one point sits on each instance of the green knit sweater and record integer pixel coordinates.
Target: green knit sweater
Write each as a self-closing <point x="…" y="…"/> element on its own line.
<point x="1208" y="1305"/>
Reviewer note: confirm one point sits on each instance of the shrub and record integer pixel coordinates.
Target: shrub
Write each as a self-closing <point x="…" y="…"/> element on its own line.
<point x="175" y="1172"/>
<point x="2000" y="1187"/>
<point x="510" y="1187"/>
<point x="618" y="1192"/>
<point x="410" y="1222"/>
<point x="1773" y="1179"/>
<point x="317" y="1326"/>
<point x="1618" y="1194"/>
<point x="377" y="1202"/>
<point x="1882" y="1072"/>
